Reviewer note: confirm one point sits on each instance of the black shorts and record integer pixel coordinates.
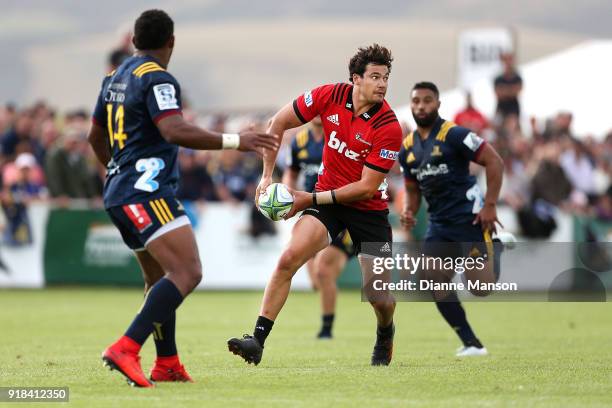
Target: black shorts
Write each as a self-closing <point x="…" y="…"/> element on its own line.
<point x="142" y="222"/>
<point x="344" y="243"/>
<point x="363" y="225"/>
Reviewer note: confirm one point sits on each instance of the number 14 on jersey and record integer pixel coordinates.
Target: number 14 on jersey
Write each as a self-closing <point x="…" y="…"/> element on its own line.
<point x="115" y="127"/>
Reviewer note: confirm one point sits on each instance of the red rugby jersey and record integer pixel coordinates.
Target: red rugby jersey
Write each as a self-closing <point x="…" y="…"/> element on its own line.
<point x="372" y="139"/>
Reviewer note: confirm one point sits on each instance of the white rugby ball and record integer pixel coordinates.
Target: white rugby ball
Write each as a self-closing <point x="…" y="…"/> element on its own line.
<point x="275" y="202"/>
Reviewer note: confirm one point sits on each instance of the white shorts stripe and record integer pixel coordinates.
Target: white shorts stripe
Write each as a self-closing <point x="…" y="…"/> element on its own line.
<point x="172" y="225"/>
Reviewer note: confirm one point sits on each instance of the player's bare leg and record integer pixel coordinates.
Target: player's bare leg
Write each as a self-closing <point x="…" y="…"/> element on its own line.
<point x="452" y="311"/>
<point x="308" y="237"/>
<point x="167" y="364"/>
<point x="176" y="253"/>
<point x="151" y="269"/>
<point x="384" y="307"/>
<point x="329" y="265"/>
<point x="311" y="268"/>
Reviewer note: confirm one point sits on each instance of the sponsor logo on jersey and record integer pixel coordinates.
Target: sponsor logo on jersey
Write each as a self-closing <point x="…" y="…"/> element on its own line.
<point x="341" y="147"/>
<point x="430" y="170"/>
<point x="472" y="141"/>
<point x="308" y="99"/>
<point x="436" y="151"/>
<point x="361" y="139"/>
<point x="113" y="96"/>
<point x="334" y="119"/>
<point x="165" y="95"/>
<point x="310" y="170"/>
<point x="388" y="154"/>
<point x="410" y="158"/>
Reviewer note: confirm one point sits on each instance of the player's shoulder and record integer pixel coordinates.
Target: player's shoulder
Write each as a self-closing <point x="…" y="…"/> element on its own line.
<point x="150" y="72"/>
<point x="339" y="92"/>
<point x="386" y="119"/>
<point x="335" y="93"/>
<point x="408" y="141"/>
<point x="143" y="67"/>
<point x="449" y="129"/>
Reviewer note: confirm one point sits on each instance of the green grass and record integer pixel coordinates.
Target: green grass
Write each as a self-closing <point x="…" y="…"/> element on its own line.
<point x="542" y="354"/>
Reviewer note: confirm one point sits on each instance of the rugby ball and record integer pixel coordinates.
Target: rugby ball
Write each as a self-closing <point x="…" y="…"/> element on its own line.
<point x="275" y="202"/>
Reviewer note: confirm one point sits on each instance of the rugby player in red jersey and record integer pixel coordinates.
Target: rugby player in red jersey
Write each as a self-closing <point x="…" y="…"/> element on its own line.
<point x="363" y="138"/>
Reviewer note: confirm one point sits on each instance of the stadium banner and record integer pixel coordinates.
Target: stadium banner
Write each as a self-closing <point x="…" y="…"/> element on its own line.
<point x="21" y="266"/>
<point x="489" y="271"/>
<point x="84" y="247"/>
<point x="478" y="54"/>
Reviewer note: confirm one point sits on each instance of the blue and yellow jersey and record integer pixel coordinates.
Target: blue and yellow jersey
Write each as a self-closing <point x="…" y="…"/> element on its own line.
<point x="440" y="166"/>
<point x="133" y="98"/>
<point x="306" y="157"/>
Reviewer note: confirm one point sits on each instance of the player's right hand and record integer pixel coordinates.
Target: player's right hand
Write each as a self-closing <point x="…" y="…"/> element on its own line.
<point x="261" y="187"/>
<point x="407" y="219"/>
<point x="251" y="141"/>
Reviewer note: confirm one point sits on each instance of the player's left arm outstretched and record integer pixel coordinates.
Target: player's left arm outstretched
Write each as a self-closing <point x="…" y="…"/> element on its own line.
<point x="178" y="131"/>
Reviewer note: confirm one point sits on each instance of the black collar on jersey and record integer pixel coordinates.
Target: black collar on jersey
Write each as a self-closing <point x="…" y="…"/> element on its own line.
<point x="366" y="115"/>
<point x="434" y="129"/>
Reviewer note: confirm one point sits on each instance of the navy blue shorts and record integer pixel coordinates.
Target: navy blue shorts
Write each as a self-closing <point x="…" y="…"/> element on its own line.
<point x="458" y="240"/>
<point x="140" y="223"/>
<point x="344" y="243"/>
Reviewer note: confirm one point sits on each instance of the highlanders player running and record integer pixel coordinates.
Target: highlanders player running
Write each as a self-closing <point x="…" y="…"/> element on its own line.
<point x="363" y="138"/>
<point x="137" y="125"/>
<point x="435" y="161"/>
<point x="306" y="157"/>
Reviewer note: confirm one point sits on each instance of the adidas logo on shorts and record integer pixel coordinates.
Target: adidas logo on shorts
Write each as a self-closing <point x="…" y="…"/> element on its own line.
<point x="385" y="248"/>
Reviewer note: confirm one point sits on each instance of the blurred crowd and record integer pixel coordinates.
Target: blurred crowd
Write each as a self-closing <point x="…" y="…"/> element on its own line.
<point x="547" y="167"/>
<point x="45" y="156"/>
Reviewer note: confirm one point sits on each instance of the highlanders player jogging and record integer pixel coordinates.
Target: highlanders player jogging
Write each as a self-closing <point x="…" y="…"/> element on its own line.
<point x="306" y="157"/>
<point x="137" y="125"/>
<point x="363" y="138"/>
<point x="435" y="162"/>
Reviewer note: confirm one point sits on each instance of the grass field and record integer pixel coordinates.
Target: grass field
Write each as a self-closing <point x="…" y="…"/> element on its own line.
<point x="542" y="354"/>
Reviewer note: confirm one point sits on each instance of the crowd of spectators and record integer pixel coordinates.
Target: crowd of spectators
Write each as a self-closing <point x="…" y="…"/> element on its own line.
<point x="45" y="156"/>
<point x="547" y="167"/>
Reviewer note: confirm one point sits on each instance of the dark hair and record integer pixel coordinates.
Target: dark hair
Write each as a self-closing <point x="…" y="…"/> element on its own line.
<point x="427" y="85"/>
<point x="374" y="54"/>
<point x="152" y="30"/>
